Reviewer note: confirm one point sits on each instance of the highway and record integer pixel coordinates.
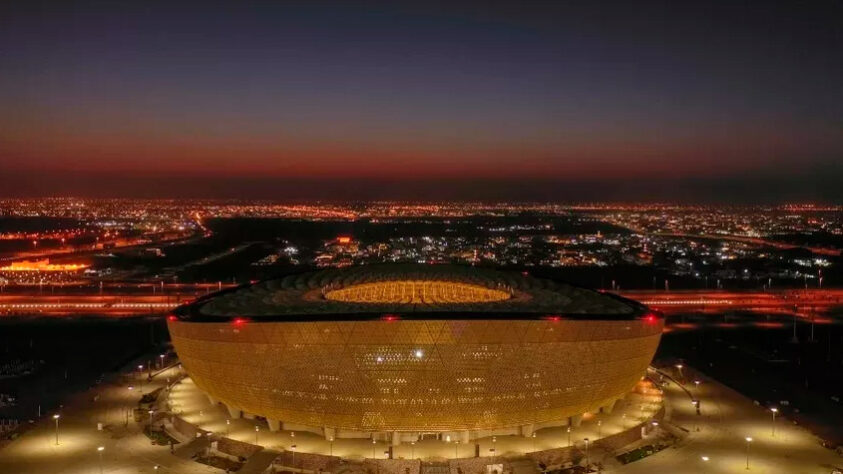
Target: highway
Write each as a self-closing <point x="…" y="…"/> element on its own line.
<point x="128" y="301"/>
<point x="787" y="301"/>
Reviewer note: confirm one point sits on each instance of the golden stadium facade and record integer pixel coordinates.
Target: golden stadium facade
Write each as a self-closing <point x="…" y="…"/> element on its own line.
<point x="414" y="349"/>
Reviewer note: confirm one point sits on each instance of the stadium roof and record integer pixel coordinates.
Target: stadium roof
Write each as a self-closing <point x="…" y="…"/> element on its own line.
<point x="347" y="294"/>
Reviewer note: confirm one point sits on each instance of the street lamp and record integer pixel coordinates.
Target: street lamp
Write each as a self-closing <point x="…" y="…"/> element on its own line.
<point x="56" y="417"/>
<point x="569" y="436"/>
<point x="227" y="426"/>
<point x="457" y="448"/>
<point x="140" y="376"/>
<point x="587" y="460"/>
<point x="257" y="430"/>
<point x="331" y="440"/>
<point x="127" y="408"/>
<point x="748" y="440"/>
<point x="100" y="450"/>
<point x="774" y="411"/>
<point x="705" y="458"/>
<point x="161" y="362"/>
<point x="679" y="366"/>
<point x="599" y="428"/>
<point x="373" y="447"/>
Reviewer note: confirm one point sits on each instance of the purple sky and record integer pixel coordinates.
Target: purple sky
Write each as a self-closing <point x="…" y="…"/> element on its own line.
<point x="627" y="100"/>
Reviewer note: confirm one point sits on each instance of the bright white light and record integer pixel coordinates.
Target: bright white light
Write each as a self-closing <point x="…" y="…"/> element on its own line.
<point x="419" y="354"/>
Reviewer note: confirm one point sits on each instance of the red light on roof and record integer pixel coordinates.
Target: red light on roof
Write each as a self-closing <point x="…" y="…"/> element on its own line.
<point x="172" y="318"/>
<point x="650" y="318"/>
<point x="390" y="317"/>
<point x="239" y="321"/>
<point x="553" y="318"/>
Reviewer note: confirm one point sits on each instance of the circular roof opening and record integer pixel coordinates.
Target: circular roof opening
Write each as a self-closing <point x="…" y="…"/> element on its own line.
<point x="429" y="292"/>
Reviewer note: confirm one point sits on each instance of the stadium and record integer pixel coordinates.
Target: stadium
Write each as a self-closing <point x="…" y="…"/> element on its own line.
<point x="405" y="351"/>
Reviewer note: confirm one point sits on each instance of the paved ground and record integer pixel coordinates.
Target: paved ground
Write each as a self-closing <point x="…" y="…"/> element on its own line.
<point x="126" y="449"/>
<point x="727" y="418"/>
<point x="259" y="462"/>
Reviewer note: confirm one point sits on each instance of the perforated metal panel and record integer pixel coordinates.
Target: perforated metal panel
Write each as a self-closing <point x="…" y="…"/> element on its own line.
<point x="417" y="375"/>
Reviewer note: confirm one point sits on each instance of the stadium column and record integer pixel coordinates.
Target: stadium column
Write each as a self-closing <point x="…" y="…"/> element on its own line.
<point x="330" y="433"/>
<point x="575" y="421"/>
<point x="527" y="430"/>
<point x="233" y="412"/>
<point x="274" y="425"/>
<point x="211" y="400"/>
<point x="607" y="409"/>
<point x="465" y="437"/>
<point x="396" y="438"/>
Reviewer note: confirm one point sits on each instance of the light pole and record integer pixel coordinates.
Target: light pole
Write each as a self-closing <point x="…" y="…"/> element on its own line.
<point x="599" y="428"/>
<point x="331" y="440"/>
<point x="412" y="449"/>
<point x="227" y="426"/>
<point x="696" y="404"/>
<point x="161" y="361"/>
<point x="374" y="443"/>
<point x="774" y="411"/>
<point x="140" y="376"/>
<point x="127" y="408"/>
<point x="679" y="366"/>
<point x="100" y="450"/>
<point x="208" y="449"/>
<point x="569" y="436"/>
<point x="748" y="440"/>
<point x="457" y="449"/>
<point x="257" y="430"/>
<point x="293" y="449"/>
<point x="587" y="460"/>
<point x="56" y="417"/>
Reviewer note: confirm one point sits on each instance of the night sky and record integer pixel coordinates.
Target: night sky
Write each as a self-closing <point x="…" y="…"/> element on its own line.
<point x="687" y="101"/>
